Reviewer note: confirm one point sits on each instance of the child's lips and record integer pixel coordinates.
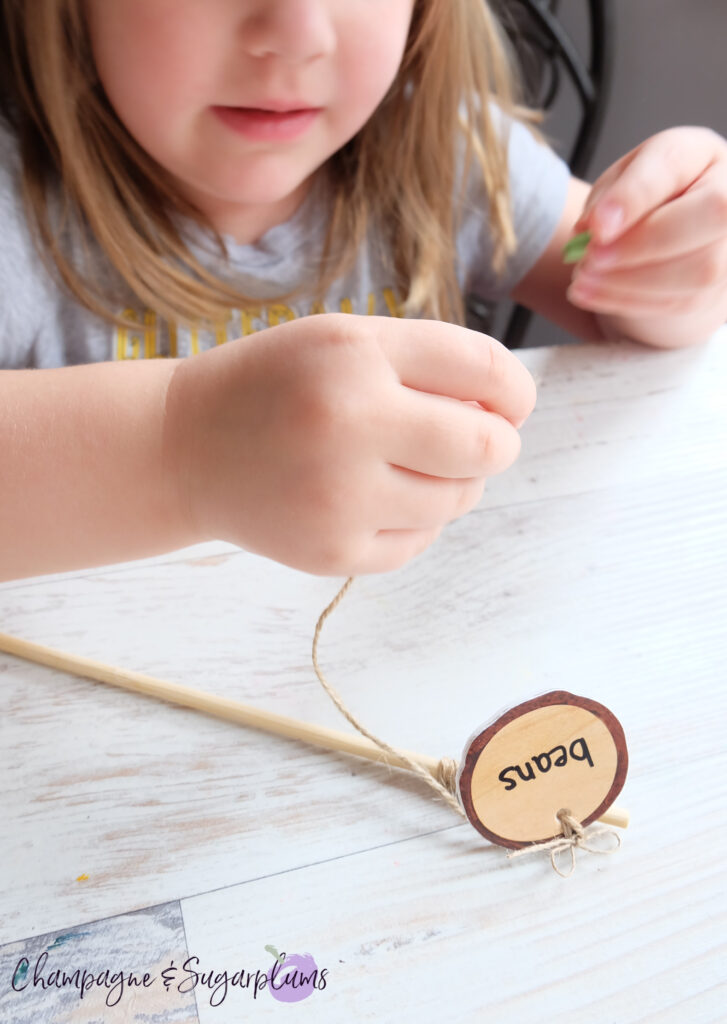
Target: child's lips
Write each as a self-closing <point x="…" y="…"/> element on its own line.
<point x="264" y="112"/>
<point x="267" y="125"/>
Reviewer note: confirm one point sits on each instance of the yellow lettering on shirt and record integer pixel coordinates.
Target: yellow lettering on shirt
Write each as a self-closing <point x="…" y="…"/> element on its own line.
<point x="150" y="346"/>
<point x="279" y="314"/>
<point x="172" y="341"/>
<point x="391" y="304"/>
<point x="122" y="337"/>
<point x="247" y="316"/>
<point x="127" y="341"/>
<point x="221" y="332"/>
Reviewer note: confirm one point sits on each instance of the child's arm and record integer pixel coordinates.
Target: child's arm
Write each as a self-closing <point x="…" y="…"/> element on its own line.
<point x="543" y="289"/>
<point x="336" y="444"/>
<point x="85" y="477"/>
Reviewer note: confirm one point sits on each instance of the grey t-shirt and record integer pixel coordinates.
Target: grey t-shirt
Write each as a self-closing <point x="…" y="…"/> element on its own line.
<point x="43" y="326"/>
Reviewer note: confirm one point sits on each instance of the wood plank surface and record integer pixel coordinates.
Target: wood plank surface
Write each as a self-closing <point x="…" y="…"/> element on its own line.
<point x="596" y="564"/>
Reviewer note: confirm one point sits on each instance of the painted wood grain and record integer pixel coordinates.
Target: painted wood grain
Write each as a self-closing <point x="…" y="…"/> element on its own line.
<point x="104" y="972"/>
<point x="443" y="928"/>
<point x="596" y="565"/>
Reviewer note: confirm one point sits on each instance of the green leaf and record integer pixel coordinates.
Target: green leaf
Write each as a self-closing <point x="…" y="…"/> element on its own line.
<point x="575" y="249"/>
<point x="278" y="956"/>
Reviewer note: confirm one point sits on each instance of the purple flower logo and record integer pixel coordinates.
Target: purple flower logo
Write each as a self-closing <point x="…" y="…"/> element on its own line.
<point x="292" y="978"/>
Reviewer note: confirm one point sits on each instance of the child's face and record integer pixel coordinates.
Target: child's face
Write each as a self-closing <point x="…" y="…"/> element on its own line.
<point x="167" y="64"/>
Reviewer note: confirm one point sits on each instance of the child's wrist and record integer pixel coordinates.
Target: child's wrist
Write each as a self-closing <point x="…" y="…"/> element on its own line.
<point x="178" y="441"/>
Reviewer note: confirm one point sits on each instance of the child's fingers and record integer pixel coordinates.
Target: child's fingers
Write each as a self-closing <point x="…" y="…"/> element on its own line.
<point x="391" y="549"/>
<point x="694" y="220"/>
<point x="705" y="267"/>
<point x="442" y="437"/>
<point x="599" y="186"/>
<point x="410" y="501"/>
<point x="622" y="303"/>
<point x="637" y="306"/>
<point x="663" y="167"/>
<point x="446" y="359"/>
<point x="601" y="297"/>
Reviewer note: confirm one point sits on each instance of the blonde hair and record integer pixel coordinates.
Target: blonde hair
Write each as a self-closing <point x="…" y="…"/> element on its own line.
<point x="398" y="172"/>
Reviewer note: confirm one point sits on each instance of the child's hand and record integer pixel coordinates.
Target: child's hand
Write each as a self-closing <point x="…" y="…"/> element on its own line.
<point x="341" y="444"/>
<point x="657" y="263"/>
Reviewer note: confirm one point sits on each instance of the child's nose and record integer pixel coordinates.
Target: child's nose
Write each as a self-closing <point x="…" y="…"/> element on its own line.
<point x="290" y="29"/>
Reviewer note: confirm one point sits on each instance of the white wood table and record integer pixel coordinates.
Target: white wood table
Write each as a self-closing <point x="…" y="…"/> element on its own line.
<point x="135" y="833"/>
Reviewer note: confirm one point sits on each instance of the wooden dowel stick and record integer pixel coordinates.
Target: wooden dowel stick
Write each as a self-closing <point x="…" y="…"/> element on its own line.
<point x="228" y="709"/>
<point x="187" y="696"/>
<point x="617" y="816"/>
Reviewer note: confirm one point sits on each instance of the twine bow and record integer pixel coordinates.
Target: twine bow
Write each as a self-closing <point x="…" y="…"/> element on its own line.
<point x="574" y="837"/>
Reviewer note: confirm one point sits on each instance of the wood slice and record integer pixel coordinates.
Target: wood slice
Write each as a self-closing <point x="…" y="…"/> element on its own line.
<point x="554" y="752"/>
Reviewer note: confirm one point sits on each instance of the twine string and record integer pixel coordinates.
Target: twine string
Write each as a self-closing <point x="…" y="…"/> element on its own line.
<point x="444" y="780"/>
<point x="574" y="837"/>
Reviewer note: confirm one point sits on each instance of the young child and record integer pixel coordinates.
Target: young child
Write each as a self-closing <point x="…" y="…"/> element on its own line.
<point x="183" y="183"/>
